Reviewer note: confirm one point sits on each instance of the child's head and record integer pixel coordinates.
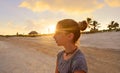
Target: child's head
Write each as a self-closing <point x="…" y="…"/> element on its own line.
<point x="71" y="26"/>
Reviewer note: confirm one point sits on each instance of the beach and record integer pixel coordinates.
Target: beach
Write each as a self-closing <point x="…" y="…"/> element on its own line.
<point x="38" y="54"/>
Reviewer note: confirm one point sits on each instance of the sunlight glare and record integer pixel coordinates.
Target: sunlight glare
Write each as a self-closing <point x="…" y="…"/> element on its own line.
<point x="52" y="29"/>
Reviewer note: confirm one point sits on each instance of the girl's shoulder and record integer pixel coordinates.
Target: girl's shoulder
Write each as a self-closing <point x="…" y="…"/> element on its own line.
<point x="59" y="55"/>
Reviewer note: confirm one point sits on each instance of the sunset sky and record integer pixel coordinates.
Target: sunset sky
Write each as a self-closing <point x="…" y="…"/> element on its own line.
<point x="23" y="16"/>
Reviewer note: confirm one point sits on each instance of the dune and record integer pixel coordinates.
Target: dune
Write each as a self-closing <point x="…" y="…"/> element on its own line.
<point x="38" y="54"/>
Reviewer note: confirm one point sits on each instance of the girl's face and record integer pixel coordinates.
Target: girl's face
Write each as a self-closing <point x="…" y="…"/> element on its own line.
<point x="60" y="38"/>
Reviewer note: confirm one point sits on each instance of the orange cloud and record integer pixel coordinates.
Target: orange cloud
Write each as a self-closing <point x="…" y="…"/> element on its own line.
<point x="35" y="6"/>
<point x="69" y="6"/>
<point x="113" y="3"/>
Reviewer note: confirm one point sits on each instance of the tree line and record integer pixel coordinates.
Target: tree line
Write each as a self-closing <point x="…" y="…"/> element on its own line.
<point x="94" y="25"/>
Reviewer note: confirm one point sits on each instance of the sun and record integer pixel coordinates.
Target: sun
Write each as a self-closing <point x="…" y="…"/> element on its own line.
<point x="51" y="29"/>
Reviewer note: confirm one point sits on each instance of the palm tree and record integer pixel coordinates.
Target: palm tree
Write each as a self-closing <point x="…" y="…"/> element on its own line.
<point x="92" y="24"/>
<point x="113" y="25"/>
<point x="109" y="26"/>
<point x="112" y="22"/>
<point x="89" y="20"/>
<point x="95" y="23"/>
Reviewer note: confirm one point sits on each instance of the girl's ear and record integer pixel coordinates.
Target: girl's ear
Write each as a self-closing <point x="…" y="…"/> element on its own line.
<point x="70" y="36"/>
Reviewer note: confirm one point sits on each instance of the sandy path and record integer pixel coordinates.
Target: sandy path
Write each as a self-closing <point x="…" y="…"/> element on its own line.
<point x="21" y="59"/>
<point x="38" y="54"/>
<point x="102" y="60"/>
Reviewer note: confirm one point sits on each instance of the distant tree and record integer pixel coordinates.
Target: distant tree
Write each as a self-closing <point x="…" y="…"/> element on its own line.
<point x="93" y="24"/>
<point x="89" y="20"/>
<point x="113" y="25"/>
<point x="110" y="27"/>
<point x="17" y="34"/>
<point x="112" y="22"/>
<point x="33" y="33"/>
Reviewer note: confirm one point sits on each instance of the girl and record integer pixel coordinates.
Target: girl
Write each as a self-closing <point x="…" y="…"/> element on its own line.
<point x="71" y="59"/>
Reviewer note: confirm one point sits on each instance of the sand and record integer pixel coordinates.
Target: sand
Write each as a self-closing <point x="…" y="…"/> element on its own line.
<point x="38" y="54"/>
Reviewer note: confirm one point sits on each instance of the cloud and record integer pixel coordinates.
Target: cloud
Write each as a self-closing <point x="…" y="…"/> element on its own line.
<point x="69" y="6"/>
<point x="36" y="6"/>
<point x="34" y="24"/>
<point x="30" y="25"/>
<point x="113" y="3"/>
<point x="40" y="26"/>
<point x="11" y="28"/>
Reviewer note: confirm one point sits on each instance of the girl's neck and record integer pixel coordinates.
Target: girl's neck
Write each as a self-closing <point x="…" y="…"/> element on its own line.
<point x="70" y="47"/>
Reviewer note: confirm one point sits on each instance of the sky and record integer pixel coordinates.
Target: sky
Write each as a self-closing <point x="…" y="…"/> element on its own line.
<point x="23" y="16"/>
